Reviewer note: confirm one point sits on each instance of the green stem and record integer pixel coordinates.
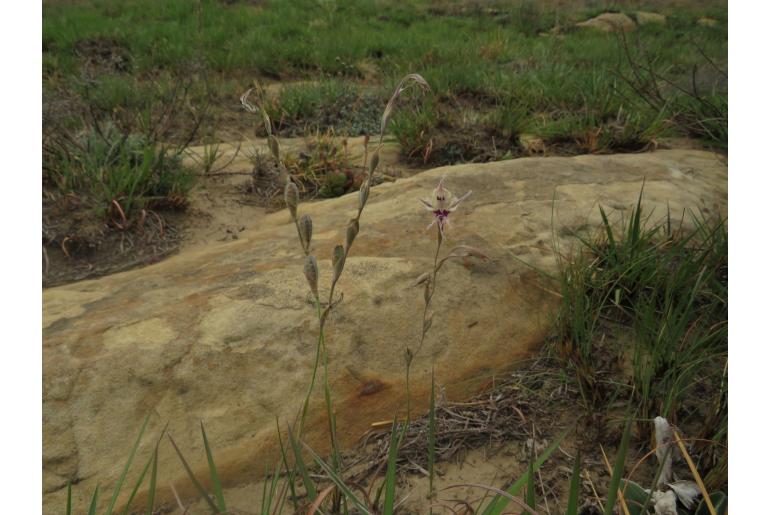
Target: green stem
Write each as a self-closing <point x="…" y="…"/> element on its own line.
<point x="408" y="393"/>
<point x="315" y="371"/>
<point x="432" y="289"/>
<point x="423" y="331"/>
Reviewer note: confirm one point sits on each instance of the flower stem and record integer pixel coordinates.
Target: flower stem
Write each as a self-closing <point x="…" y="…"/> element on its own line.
<point x="425" y="328"/>
<point x="319" y="346"/>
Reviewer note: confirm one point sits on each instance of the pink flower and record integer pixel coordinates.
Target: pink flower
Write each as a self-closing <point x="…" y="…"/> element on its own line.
<point x="441" y="205"/>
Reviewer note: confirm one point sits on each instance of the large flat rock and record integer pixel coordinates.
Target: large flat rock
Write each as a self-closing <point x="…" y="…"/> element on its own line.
<point x="227" y="334"/>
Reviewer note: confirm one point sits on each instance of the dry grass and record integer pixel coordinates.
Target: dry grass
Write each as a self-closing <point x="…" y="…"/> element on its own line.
<point x="537" y="394"/>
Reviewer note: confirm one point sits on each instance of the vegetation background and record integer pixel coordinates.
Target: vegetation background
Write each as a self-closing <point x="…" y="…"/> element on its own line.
<point x="129" y="86"/>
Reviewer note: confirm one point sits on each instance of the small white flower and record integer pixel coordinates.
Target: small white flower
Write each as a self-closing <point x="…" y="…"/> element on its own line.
<point x="442" y="203"/>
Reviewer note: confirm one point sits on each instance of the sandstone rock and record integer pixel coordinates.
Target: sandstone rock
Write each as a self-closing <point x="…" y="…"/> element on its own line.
<point x="226" y="334"/>
<point x="645" y="18"/>
<point x="609" y="22"/>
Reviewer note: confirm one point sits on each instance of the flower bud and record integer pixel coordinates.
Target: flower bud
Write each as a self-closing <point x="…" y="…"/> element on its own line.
<point x="373" y="162"/>
<point x="466" y="251"/>
<point x="424" y="277"/>
<point x="291" y="197"/>
<point x="386" y="114"/>
<point x="311" y="274"/>
<point x="305" y="231"/>
<point x="408" y="355"/>
<point x="363" y="195"/>
<point x="338" y="261"/>
<point x="352" y="232"/>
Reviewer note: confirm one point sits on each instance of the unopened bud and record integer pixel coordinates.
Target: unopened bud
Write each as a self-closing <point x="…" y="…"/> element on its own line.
<point x="363" y="195"/>
<point x="373" y="162"/>
<point x="424" y="277"/>
<point x="311" y="274"/>
<point x="352" y="232"/>
<point x="291" y="197"/>
<point x="306" y="231"/>
<point x="338" y="261"/>
<point x="408" y="355"/>
<point x="386" y="117"/>
<point x="466" y="251"/>
<point x="426" y="293"/>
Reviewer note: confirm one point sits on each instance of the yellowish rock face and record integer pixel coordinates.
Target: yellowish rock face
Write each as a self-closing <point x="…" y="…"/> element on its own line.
<point x="609" y="22"/>
<point x="227" y="334"/>
<point x="647" y="18"/>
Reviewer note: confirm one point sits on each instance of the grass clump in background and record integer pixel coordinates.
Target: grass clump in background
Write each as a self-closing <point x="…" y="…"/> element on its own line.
<point x="119" y="174"/>
<point x="644" y="318"/>
<point x="305" y="108"/>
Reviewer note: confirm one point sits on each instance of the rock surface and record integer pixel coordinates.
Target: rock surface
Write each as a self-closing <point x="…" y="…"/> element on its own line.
<point x="707" y="22"/>
<point x="609" y="22"/>
<point x="226" y="334"/>
<point x="648" y="18"/>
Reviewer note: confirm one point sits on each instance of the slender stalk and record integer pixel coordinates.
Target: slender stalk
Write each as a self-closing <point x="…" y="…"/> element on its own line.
<point x="304" y="232"/>
<point x="436" y="267"/>
<point x="431" y="290"/>
<point x="319" y="345"/>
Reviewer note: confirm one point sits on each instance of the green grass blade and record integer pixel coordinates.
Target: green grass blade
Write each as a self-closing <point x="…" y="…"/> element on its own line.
<point x="300" y="463"/>
<point x="213" y="472"/>
<point x="530" y="496"/>
<point x="336" y="457"/>
<point x="432" y="435"/>
<point x="153" y="459"/>
<point x="574" y="488"/>
<point x="195" y="482"/>
<point x="635" y="228"/>
<point x="719" y="499"/>
<point x="635" y="496"/>
<point x="92" y="507"/>
<point x="137" y="485"/>
<point x="289" y="471"/>
<point x="273" y="488"/>
<point x="617" y="471"/>
<point x="498" y="503"/>
<point x="262" y="510"/>
<point x="69" y="498"/>
<point x="390" y="475"/>
<point x="337" y="480"/>
<point x="613" y="248"/>
<point x="153" y="483"/>
<point x="378" y="494"/>
<point x="128" y="465"/>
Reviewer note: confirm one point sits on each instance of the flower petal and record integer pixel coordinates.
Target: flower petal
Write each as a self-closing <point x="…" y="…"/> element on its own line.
<point x="456" y="201"/>
<point x="427" y="204"/>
